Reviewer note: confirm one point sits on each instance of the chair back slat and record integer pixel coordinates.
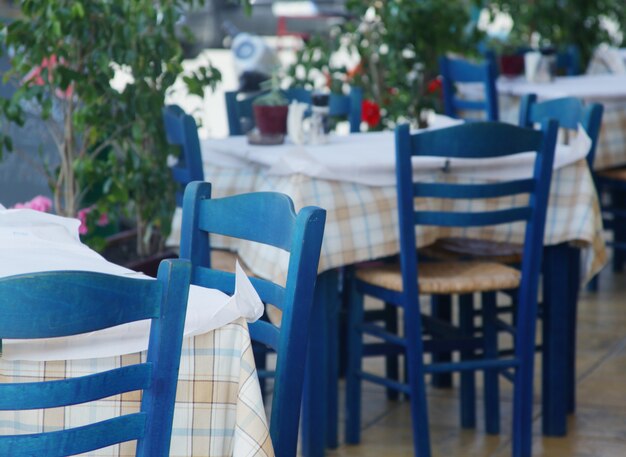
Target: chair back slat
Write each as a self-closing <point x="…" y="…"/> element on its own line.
<point x="76" y="440"/>
<point x="263" y="217"/>
<point x="266" y="333"/>
<point x="239" y="107"/>
<point x="472" y="219"/>
<point x="62" y="303"/>
<point x="181" y="131"/>
<point x="466" y="191"/>
<point x="52" y="394"/>
<point x="72" y="304"/>
<point x="268" y="291"/>
<point x="455" y="71"/>
<point x="267" y="218"/>
<point x="471" y="141"/>
<point x="568" y="112"/>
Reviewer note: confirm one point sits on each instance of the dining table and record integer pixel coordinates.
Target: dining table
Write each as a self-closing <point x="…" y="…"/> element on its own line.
<point x="353" y="178"/>
<point x="219" y="409"/>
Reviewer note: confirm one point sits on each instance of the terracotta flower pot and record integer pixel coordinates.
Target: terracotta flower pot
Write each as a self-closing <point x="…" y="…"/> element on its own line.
<point x="271" y="120"/>
<point x="511" y="64"/>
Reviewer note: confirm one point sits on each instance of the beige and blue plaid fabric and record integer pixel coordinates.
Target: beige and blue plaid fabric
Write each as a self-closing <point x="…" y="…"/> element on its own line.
<point x="362" y="221"/>
<point x="219" y="409"/>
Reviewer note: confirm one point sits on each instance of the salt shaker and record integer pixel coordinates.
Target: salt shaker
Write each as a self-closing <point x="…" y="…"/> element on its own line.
<point x="319" y="118"/>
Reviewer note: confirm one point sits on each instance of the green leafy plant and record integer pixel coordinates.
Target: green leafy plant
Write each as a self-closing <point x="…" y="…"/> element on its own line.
<point x="111" y="145"/>
<point x="274" y="96"/>
<point x="396" y="45"/>
<point x="561" y="23"/>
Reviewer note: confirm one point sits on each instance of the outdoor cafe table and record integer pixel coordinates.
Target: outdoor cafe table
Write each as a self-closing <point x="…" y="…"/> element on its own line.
<point x="362" y="225"/>
<point x="219" y="409"/>
<point x="608" y="89"/>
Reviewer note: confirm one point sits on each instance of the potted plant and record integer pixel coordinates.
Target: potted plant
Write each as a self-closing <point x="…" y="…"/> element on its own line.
<point x="271" y="108"/>
<point x="112" y="152"/>
<point x="396" y="67"/>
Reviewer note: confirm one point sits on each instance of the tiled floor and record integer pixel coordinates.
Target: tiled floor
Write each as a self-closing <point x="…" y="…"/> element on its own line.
<point x="598" y="429"/>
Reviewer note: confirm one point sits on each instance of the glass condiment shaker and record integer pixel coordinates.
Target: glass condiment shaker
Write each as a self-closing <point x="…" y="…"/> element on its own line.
<point x="319" y="118"/>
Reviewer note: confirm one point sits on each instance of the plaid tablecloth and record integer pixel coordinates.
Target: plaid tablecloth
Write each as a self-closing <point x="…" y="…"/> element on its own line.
<point x="362" y="221"/>
<point x="219" y="408"/>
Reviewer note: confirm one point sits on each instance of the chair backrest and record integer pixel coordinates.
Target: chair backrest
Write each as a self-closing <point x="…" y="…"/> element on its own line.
<point x="455" y="71"/>
<point x="55" y="304"/>
<point x="238" y="108"/>
<point x="470" y="141"/>
<point x="268" y="218"/>
<point x="181" y="130"/>
<point x="568" y="112"/>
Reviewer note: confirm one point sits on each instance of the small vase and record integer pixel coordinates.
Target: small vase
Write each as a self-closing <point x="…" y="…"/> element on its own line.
<point x="271" y="120"/>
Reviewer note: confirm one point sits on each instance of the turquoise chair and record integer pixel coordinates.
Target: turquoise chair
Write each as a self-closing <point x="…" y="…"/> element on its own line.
<point x="455" y="71"/>
<point x="55" y="304"/>
<point x="268" y="218"/>
<point x="238" y="109"/>
<point x="401" y="285"/>
<point x="181" y="131"/>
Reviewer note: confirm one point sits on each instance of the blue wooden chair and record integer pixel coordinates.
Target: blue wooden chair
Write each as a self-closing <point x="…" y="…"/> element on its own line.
<point x="455" y="71"/>
<point x="402" y="284"/>
<point x="181" y="131"/>
<point x="55" y="304"/>
<point x="567" y="60"/>
<point x="568" y="112"/>
<point x="267" y="218"/>
<point x="238" y="109"/>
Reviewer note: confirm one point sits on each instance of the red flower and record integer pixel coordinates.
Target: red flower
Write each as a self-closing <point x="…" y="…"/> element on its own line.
<point x="434" y="85"/>
<point x="370" y="113"/>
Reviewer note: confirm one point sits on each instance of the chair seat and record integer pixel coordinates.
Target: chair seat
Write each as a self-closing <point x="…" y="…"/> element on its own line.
<point x="446" y="277"/>
<point x="457" y="248"/>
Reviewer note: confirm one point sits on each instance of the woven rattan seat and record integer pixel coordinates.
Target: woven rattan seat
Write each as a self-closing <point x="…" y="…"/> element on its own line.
<point x="457" y="248"/>
<point x="446" y="277"/>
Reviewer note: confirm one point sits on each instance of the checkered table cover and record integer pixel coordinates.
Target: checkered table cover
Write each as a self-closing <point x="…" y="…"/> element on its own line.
<point x="219" y="408"/>
<point x="362" y="221"/>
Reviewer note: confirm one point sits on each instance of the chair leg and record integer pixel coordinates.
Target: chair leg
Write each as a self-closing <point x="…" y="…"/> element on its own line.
<point x="417" y="386"/>
<point x="468" y="378"/>
<point x="353" y="378"/>
<point x="441" y="308"/>
<point x="490" y="351"/>
<point x="392" y="368"/>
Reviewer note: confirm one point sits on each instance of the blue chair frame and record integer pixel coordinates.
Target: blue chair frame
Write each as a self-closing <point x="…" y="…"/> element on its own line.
<point x="54" y="304"/>
<point x="461" y="71"/>
<point x="568" y="112"/>
<point x="339" y="105"/>
<point x="267" y="218"/>
<point x="181" y="131"/>
<point x="473" y="140"/>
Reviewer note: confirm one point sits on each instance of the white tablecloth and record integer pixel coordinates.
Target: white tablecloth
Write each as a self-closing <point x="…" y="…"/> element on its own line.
<point x="32" y="241"/>
<point x="369" y="159"/>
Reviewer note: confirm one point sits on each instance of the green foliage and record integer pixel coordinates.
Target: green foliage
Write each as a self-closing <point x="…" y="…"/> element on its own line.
<point x="111" y="142"/>
<point x="561" y="23"/>
<point x="274" y="96"/>
<point x="396" y="45"/>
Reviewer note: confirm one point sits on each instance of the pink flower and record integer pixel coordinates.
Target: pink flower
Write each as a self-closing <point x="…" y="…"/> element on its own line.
<point x="82" y="217"/>
<point x="39" y="203"/>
